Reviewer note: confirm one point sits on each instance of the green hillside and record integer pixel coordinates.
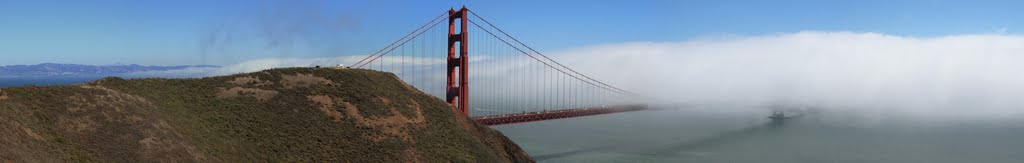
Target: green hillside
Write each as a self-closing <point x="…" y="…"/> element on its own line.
<point x="290" y="114"/>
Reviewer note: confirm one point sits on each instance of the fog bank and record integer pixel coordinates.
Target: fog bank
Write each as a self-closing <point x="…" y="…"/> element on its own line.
<point x="961" y="73"/>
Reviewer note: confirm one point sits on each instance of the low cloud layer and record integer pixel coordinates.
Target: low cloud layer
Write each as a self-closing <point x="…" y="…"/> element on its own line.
<point x="961" y="73"/>
<point x="251" y="66"/>
<point x="269" y="63"/>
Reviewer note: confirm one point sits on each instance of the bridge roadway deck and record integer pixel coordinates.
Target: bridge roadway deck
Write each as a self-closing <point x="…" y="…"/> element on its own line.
<point x="503" y="119"/>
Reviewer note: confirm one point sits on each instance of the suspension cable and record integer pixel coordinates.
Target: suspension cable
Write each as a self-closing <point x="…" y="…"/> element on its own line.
<point x="545" y="63"/>
<point x="357" y="64"/>
<point x="542" y="55"/>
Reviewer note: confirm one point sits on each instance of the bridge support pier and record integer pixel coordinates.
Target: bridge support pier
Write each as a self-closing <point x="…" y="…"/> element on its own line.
<point x="458" y="73"/>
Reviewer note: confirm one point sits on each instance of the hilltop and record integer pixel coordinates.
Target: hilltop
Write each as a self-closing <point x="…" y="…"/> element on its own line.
<point x="280" y="115"/>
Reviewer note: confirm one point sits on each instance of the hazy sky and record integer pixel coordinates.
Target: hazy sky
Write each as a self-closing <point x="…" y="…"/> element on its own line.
<point x="221" y="32"/>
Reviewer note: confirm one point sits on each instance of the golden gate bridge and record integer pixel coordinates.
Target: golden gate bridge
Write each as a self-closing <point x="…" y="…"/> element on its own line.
<point x="509" y="82"/>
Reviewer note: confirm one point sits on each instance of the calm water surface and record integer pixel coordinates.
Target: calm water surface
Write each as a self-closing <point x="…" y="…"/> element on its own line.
<point x="714" y="135"/>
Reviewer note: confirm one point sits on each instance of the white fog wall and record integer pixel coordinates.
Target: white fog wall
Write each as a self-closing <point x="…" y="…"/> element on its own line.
<point x="978" y="73"/>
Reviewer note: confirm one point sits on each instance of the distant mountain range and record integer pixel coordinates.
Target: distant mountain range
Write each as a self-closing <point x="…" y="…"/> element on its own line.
<point x="56" y="69"/>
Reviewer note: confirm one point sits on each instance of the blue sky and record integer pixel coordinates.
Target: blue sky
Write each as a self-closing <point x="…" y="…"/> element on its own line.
<point x="156" y="32"/>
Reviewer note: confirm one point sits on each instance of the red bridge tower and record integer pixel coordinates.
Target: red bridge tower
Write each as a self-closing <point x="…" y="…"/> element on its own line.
<point x="458" y="73"/>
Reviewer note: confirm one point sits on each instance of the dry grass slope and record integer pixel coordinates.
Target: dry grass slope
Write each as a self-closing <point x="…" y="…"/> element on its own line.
<point x="290" y="114"/>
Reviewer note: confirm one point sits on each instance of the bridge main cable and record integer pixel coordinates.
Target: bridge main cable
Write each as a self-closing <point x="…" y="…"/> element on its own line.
<point x="361" y="63"/>
<point x="541" y="54"/>
<point x="537" y="59"/>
